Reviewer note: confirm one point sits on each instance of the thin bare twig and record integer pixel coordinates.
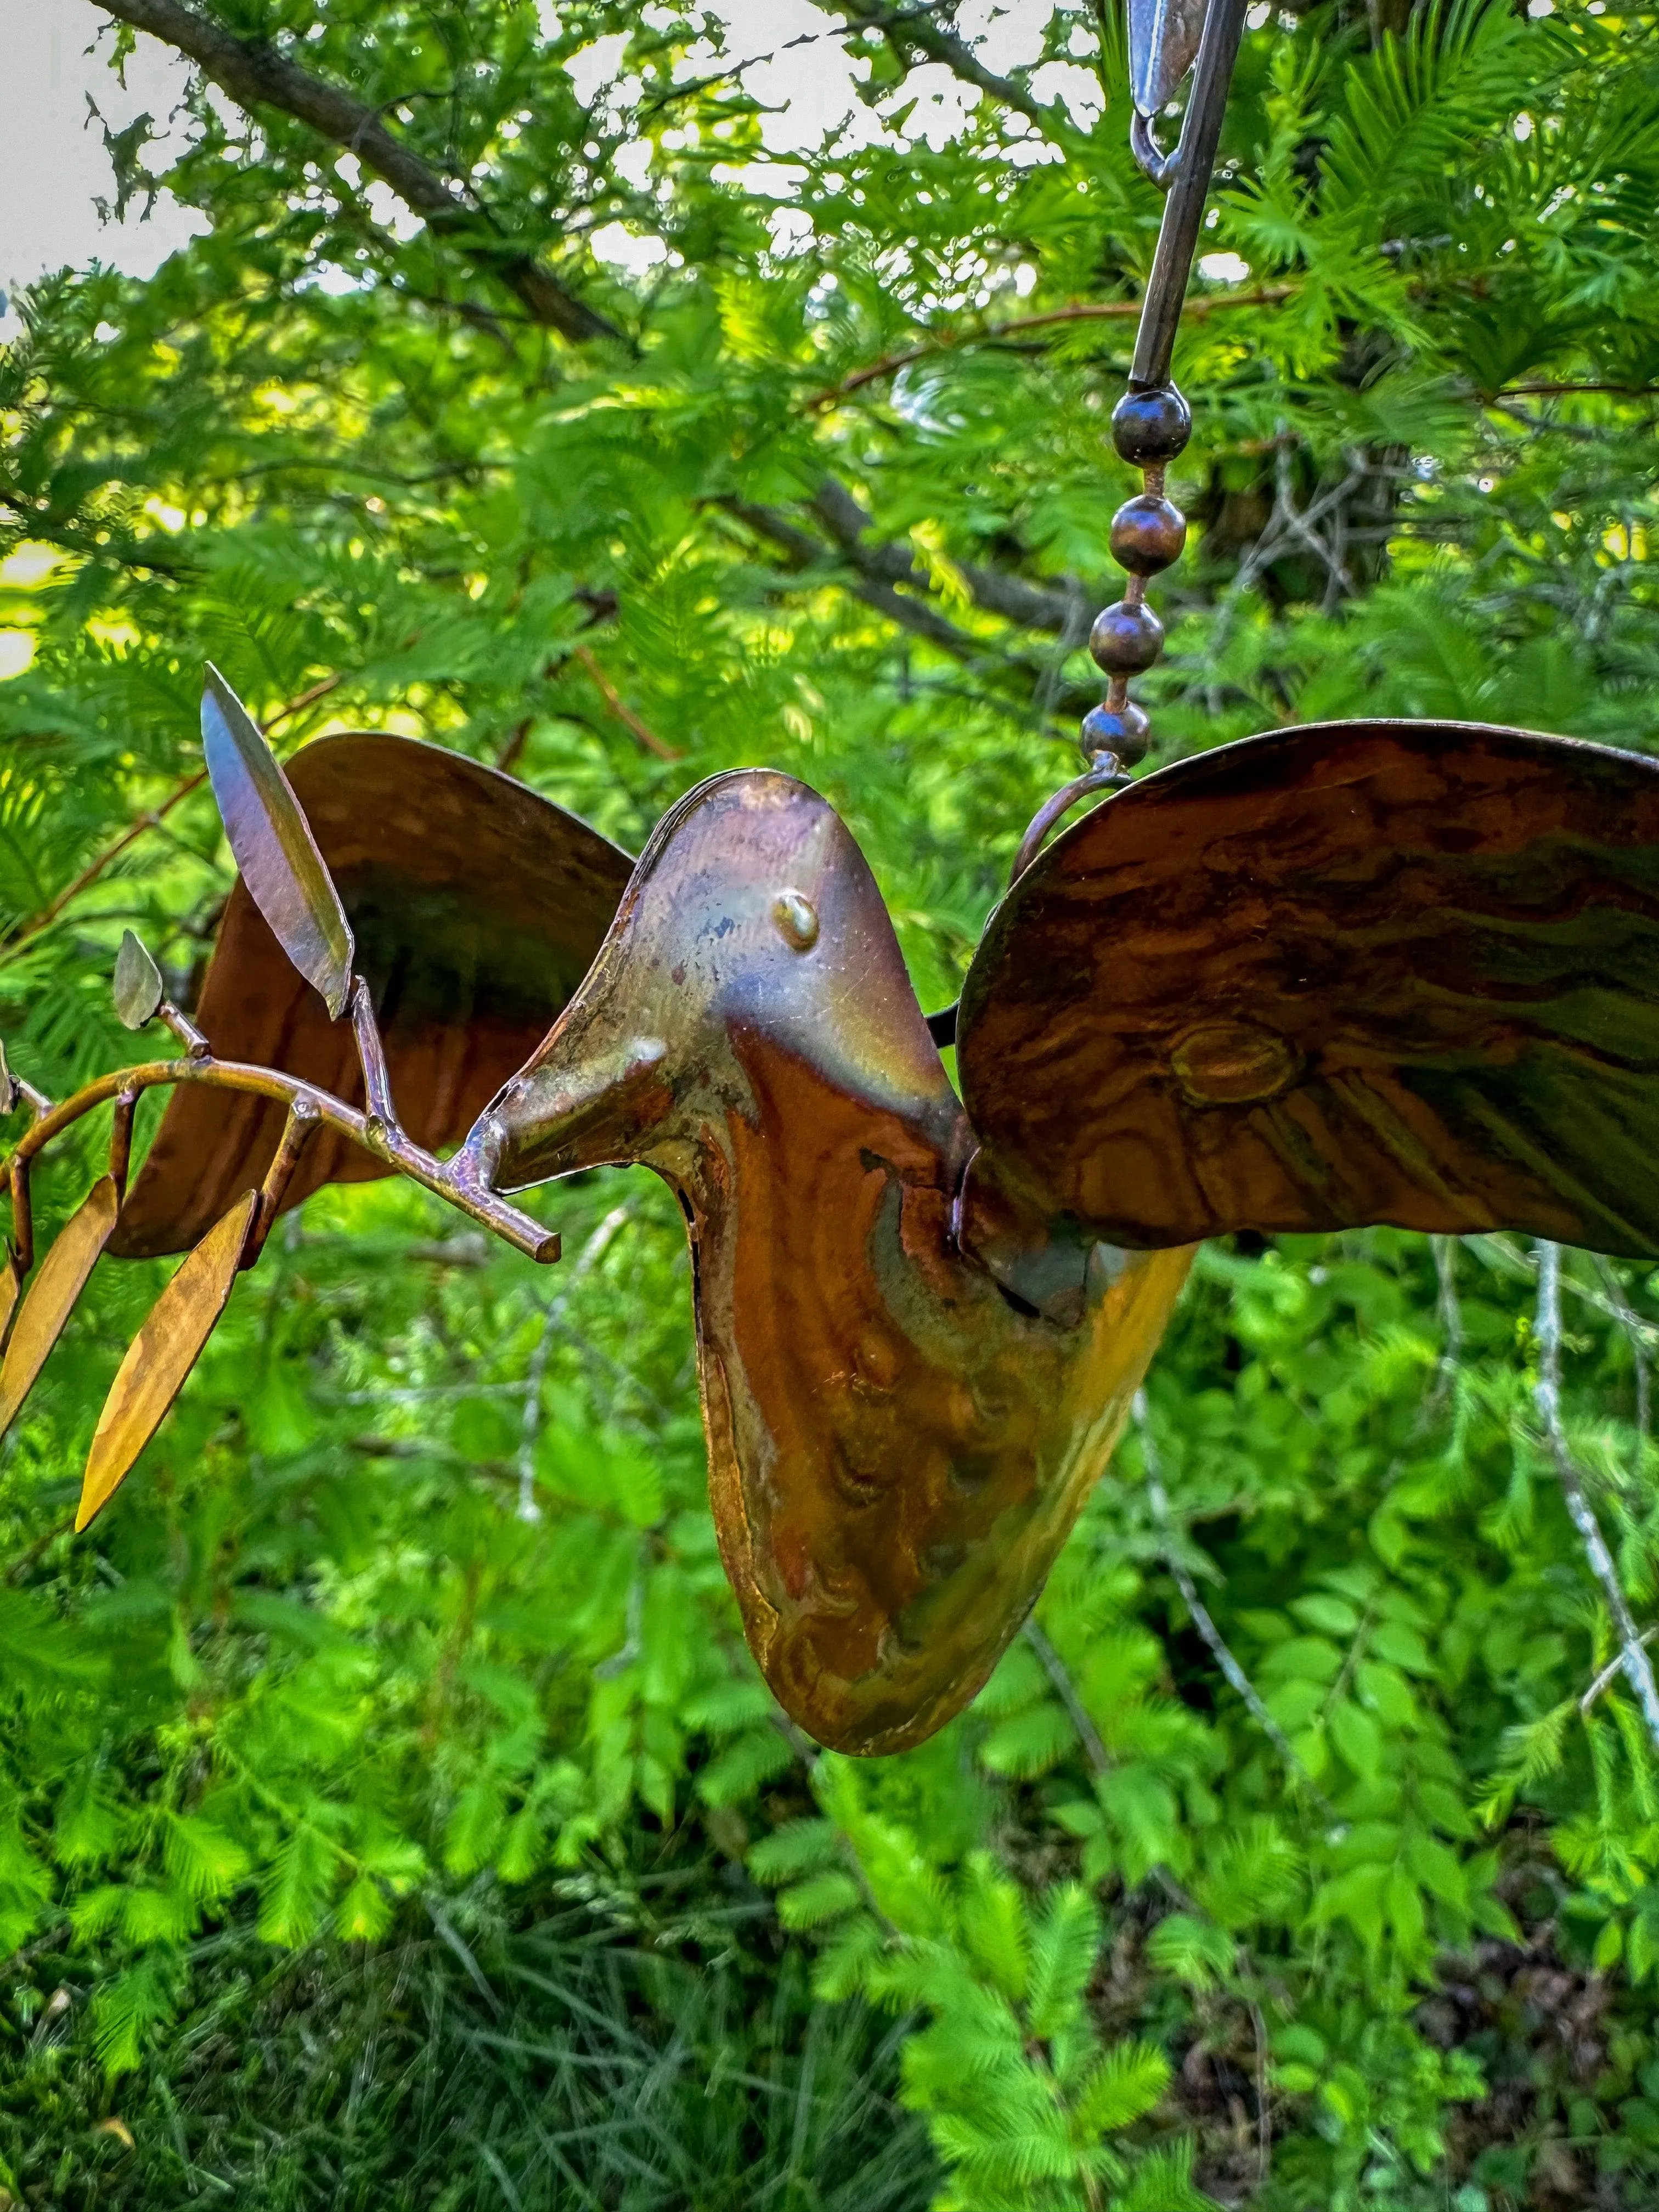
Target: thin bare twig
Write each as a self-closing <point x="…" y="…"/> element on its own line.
<point x="1264" y="2124"/>
<point x="530" y="1427"/>
<point x="1219" y="1649"/>
<point x="151" y="820"/>
<point x="1449" y="1313"/>
<point x="1083" y="311"/>
<point x="1613" y="1668"/>
<point x="623" y="712"/>
<point x="1094" y="1749"/>
<point x="1546" y="1395"/>
<point x="1631" y="1321"/>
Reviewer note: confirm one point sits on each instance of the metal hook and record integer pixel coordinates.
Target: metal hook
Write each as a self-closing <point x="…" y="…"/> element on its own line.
<point x="1154" y="161"/>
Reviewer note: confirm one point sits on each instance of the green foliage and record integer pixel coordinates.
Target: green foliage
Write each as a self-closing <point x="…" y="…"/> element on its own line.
<point x="316" y="1687"/>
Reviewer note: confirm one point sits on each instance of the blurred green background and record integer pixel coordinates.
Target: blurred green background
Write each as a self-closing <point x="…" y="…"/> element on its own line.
<point x="363" y="1843"/>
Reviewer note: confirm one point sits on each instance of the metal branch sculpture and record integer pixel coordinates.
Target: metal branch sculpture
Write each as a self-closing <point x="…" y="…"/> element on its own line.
<point x="1354" y="972"/>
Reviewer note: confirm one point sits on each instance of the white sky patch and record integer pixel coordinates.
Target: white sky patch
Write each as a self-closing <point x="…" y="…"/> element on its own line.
<point x="633" y="163"/>
<point x="52" y="162"/>
<point x="812" y="87"/>
<point x="1223" y="268"/>
<point x="53" y="165"/>
<point x="596" y="66"/>
<point x="624" y="249"/>
<point x="943" y="105"/>
<point x="1004" y="35"/>
<point x="1070" y="82"/>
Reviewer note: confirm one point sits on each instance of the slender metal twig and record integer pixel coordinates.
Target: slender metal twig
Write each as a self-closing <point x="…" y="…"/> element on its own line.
<point x="388" y="1143"/>
<point x="1546" y="1396"/>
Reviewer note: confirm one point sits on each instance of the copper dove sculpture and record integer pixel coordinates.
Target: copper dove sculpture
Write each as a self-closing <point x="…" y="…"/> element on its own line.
<point x="1352" y="973"/>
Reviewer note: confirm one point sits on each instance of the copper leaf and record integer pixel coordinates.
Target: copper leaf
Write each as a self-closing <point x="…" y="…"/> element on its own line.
<point x="162" y="1355"/>
<point x="138" y="989"/>
<point x="52" y="1294"/>
<point x="285" y="873"/>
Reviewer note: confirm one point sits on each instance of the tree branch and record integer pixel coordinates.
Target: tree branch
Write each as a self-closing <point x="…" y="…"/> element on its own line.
<point x="256" y="74"/>
<point x="873" y="566"/>
<point x="1082" y="311"/>
<point x="1031" y="606"/>
<point x="152" y="820"/>
<point x="942" y="45"/>
<point x="1546" y="1395"/>
<point x="1220" y="1650"/>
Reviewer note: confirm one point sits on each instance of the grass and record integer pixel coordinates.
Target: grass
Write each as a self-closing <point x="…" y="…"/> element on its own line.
<point x="471" y="2065"/>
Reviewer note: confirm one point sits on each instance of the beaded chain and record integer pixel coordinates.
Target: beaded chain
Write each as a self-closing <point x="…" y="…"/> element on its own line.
<point x="1150" y="427"/>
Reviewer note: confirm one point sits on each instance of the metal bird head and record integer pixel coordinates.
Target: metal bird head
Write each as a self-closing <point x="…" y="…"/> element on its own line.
<point x="752" y="922"/>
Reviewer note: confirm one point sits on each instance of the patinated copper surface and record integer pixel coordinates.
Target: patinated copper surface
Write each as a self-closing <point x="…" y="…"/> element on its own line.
<point x="1357" y="972"/>
<point x="477" y="907"/>
<point x="897" y="1448"/>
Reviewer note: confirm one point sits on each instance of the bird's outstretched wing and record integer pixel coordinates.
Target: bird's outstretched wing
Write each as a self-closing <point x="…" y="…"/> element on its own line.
<point x="478" y="908"/>
<point x="1357" y="972"/>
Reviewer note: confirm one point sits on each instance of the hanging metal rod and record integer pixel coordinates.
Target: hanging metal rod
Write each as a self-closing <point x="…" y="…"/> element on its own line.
<point x="1183" y="211"/>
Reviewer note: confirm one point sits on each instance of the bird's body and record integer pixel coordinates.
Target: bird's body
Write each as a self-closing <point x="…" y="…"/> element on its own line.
<point x="896" y="1449"/>
<point x="898" y="1443"/>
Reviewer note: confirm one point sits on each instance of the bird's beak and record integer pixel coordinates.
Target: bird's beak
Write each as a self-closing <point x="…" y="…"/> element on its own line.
<point x="569" y="1109"/>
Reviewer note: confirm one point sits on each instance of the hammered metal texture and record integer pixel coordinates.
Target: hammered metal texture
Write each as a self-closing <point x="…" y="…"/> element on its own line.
<point x="1357" y="972"/>
<point x="477" y="907"/>
<point x="160" y="1358"/>
<point x="897" y="1449"/>
<point x="51" y="1297"/>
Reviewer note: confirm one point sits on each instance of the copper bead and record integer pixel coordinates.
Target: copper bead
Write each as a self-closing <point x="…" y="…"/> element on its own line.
<point x="1151" y="426"/>
<point x="1126" y="638"/>
<point x="1147" y="534"/>
<point x="1122" y="731"/>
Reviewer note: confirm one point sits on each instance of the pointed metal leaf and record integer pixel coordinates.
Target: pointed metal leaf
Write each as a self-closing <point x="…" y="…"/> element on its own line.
<point x="138" y="987"/>
<point x="162" y="1355"/>
<point x="10" y="1284"/>
<point x="52" y="1294"/>
<point x="285" y="873"/>
<point x="1163" y="36"/>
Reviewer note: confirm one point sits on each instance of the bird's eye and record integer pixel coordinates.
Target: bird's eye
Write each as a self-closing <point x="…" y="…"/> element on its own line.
<point x="797" y="919"/>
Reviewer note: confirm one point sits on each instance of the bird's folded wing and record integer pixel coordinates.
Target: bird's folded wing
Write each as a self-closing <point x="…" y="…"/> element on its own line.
<point x="478" y="908"/>
<point x="1359" y="972"/>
